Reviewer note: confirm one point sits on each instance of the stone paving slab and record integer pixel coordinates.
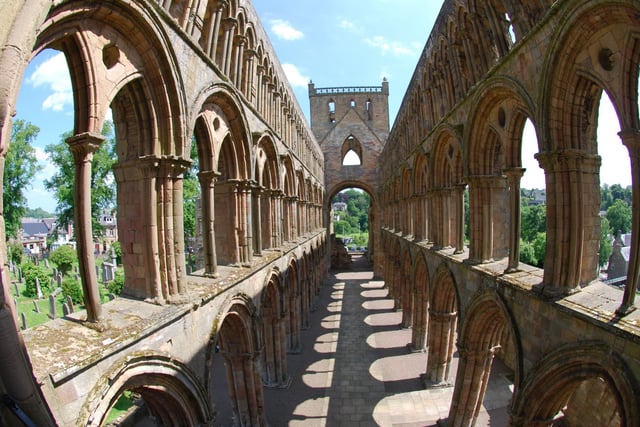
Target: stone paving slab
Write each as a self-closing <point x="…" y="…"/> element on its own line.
<point x="355" y="369"/>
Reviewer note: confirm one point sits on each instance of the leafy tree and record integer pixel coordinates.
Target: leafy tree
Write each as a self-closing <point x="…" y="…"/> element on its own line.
<point x="619" y="216"/>
<point x="37" y="213"/>
<point x="30" y="271"/>
<point x="15" y="251"/>
<point x="20" y="167"/>
<point x="64" y="257"/>
<point x="534" y="221"/>
<point x="117" y="247"/>
<point x="116" y="286"/>
<point x="61" y="184"/>
<point x="540" y="248"/>
<point x="605" y="242"/>
<point x="191" y="192"/>
<point x="527" y="253"/>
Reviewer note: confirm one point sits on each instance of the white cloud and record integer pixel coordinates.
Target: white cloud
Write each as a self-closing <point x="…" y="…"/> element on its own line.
<point x="345" y="24"/>
<point x="294" y="76"/>
<point x="387" y="46"/>
<point x="284" y="30"/>
<point x="53" y="75"/>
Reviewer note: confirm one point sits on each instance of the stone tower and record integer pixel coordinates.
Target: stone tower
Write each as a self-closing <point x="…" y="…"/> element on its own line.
<point x="356" y="119"/>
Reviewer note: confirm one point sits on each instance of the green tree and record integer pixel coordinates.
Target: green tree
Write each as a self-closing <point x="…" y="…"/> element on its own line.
<point x="191" y="193"/>
<point x="619" y="216"/>
<point x="15" y="250"/>
<point x="37" y="213"/>
<point x="71" y="287"/>
<point x="64" y="257"/>
<point x="103" y="189"/>
<point x="527" y="253"/>
<point x="20" y="167"/>
<point x="540" y="248"/>
<point x="534" y="221"/>
<point x="605" y="242"/>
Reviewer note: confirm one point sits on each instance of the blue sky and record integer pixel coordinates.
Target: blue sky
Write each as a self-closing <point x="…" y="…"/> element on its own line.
<point x="333" y="43"/>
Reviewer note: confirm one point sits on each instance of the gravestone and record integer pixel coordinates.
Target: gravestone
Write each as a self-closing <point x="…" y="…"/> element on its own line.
<point x="36" y="307"/>
<point x="46" y="263"/>
<point x="15" y="286"/>
<point x="19" y="275"/>
<point x="38" y="289"/>
<point x="52" y="307"/>
<point x="23" y="316"/>
<point x="70" y="303"/>
<point x="65" y="309"/>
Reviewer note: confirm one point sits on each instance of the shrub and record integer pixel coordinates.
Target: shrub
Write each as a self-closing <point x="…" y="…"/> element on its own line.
<point x="30" y="272"/>
<point x="71" y="287"/>
<point x="64" y="257"/>
<point x="116" y="286"/>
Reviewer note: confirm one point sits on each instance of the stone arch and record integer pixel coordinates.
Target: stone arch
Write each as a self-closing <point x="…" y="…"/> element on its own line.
<point x="238" y="342"/>
<point x="559" y="381"/>
<point x="406" y="200"/>
<point x="448" y="189"/>
<point x="116" y="68"/>
<point x="351" y="143"/>
<point x="225" y="158"/>
<point x="267" y="172"/>
<point x="421" y="184"/>
<point x="171" y="391"/>
<point x="273" y="333"/>
<point x="421" y="290"/>
<point x="443" y="319"/>
<point x="570" y="159"/>
<point x="486" y="326"/>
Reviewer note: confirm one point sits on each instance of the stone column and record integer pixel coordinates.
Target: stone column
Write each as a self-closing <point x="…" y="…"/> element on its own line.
<point x="572" y="177"/>
<point x="458" y="195"/>
<point x="474" y="367"/>
<point x="513" y="181"/>
<point x="631" y="139"/>
<point x="239" y="60"/>
<point x="213" y="38"/>
<point x="256" y="194"/>
<point x="245" y="221"/>
<point x="229" y="25"/>
<point x="149" y="167"/>
<point x="441" y="342"/>
<point x="207" y="184"/>
<point x="82" y="147"/>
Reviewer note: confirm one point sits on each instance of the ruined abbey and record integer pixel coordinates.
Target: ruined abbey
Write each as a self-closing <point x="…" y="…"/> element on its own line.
<point x="183" y="72"/>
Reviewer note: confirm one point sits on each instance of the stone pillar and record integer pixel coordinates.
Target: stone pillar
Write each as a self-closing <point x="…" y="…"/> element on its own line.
<point x="82" y="147"/>
<point x="487" y="239"/>
<point x="276" y="223"/>
<point x="513" y="181"/>
<point x="442" y="331"/>
<point x="458" y="200"/>
<point x="572" y="180"/>
<point x="239" y="60"/>
<point x="213" y="37"/>
<point x="631" y="139"/>
<point x="245" y="389"/>
<point x="256" y="194"/>
<point x="245" y="221"/>
<point x="474" y="368"/>
<point x="229" y="25"/>
<point x="207" y="184"/>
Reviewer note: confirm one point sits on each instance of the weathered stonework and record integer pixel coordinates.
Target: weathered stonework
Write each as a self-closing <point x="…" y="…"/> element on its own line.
<point x="175" y="70"/>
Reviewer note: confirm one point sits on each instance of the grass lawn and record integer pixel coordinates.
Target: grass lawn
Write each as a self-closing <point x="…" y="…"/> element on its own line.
<point x="26" y="304"/>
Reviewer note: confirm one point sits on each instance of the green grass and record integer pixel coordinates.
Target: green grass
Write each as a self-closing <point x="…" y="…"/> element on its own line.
<point x="122" y="405"/>
<point x="25" y="304"/>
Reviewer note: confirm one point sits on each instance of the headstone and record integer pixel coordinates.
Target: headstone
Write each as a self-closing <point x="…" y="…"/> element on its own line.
<point x="38" y="289"/>
<point x="23" y="316"/>
<point x="77" y="277"/>
<point x="75" y="269"/>
<point x="55" y="272"/>
<point x="189" y="270"/>
<point x="111" y="296"/>
<point x="36" y="307"/>
<point x="65" y="309"/>
<point x="97" y="271"/>
<point x="15" y="286"/>
<point x="19" y="275"/>
<point x="70" y="303"/>
<point x="52" y="307"/>
<point x="15" y="303"/>
<point x="46" y="263"/>
<point x="59" y="279"/>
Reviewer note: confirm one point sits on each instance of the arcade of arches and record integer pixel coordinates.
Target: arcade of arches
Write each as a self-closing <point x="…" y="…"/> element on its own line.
<point x="177" y="72"/>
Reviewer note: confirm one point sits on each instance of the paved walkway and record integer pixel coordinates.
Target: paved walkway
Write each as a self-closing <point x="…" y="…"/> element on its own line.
<point x="355" y="369"/>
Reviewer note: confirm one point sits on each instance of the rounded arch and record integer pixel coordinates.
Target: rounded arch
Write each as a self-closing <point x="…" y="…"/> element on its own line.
<point x="220" y="101"/>
<point x="350" y="184"/>
<point x="130" y="46"/>
<point x="502" y="108"/>
<point x="421" y="288"/>
<point x="550" y="384"/>
<point x="170" y="390"/>
<point x="447" y="157"/>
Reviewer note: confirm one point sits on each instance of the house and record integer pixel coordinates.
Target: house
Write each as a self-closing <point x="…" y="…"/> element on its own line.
<point x="619" y="258"/>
